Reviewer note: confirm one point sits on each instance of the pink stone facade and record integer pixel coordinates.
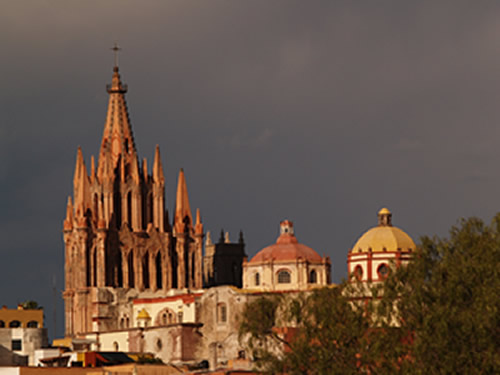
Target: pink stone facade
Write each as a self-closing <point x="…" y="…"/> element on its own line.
<point x="119" y="243"/>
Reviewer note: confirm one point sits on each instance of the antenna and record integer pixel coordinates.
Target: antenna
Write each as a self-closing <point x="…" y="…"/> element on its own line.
<point x="54" y="306"/>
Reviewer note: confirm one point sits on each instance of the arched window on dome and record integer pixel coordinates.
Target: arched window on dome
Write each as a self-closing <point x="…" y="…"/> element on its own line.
<point x="383" y="271"/>
<point x="284" y="277"/>
<point x="358" y="273"/>
<point x="313" y="277"/>
<point x="257" y="278"/>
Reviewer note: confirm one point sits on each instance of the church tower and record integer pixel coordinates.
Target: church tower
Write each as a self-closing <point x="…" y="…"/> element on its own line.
<point x="118" y="240"/>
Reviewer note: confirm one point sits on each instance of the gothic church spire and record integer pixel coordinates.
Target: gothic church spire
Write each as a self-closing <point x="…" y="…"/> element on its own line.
<point x="117" y="140"/>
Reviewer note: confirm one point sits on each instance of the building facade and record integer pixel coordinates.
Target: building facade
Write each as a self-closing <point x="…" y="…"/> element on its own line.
<point x="119" y="243"/>
<point x="21" y="334"/>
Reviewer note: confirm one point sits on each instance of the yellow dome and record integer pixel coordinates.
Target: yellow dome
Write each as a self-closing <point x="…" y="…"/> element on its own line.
<point x="143" y="314"/>
<point x="384" y="237"/>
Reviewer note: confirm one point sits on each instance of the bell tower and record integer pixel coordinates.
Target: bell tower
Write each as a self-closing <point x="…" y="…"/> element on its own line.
<point x="117" y="237"/>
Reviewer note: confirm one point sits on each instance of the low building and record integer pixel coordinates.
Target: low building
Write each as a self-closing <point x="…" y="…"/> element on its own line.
<point x="21" y="334"/>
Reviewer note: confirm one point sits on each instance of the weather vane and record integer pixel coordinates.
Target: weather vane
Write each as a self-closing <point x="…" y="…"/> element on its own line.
<point x="116" y="49"/>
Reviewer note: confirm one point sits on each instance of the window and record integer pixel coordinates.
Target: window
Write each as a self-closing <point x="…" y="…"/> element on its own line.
<point x="313" y="277"/>
<point x="15" y="324"/>
<point x="17" y="345"/>
<point x="145" y="271"/>
<point x="179" y="316"/>
<point x="116" y="347"/>
<point x="257" y="279"/>
<point x="159" y="272"/>
<point x="284" y="277"/>
<point x="32" y="324"/>
<point x="221" y="313"/>
<point x="383" y="271"/>
<point x="130" y="260"/>
<point x="358" y="273"/>
<point x="2" y="324"/>
<point x="165" y="317"/>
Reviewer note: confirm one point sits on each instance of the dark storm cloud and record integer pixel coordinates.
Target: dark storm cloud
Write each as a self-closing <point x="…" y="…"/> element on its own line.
<point x="320" y="112"/>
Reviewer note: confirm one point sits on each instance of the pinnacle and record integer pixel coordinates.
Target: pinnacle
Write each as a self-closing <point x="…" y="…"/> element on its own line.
<point x="158" y="175"/>
<point x="182" y="208"/>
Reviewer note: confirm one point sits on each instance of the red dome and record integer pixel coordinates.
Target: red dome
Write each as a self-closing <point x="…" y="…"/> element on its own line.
<point x="286" y="248"/>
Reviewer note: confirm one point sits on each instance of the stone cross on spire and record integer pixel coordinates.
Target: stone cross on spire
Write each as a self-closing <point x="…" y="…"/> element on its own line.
<point x="116" y="49"/>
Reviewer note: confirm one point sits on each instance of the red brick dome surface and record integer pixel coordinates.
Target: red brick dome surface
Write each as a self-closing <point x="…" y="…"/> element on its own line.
<point x="286" y="248"/>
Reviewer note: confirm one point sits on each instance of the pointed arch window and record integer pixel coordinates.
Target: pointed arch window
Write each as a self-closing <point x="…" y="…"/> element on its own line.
<point x="94" y="266"/>
<point x="119" y="270"/>
<point x="88" y="269"/>
<point x="117" y="209"/>
<point x="96" y="205"/>
<point x="129" y="209"/>
<point x="158" y="270"/>
<point x="145" y="271"/>
<point x="130" y="260"/>
<point x="165" y="317"/>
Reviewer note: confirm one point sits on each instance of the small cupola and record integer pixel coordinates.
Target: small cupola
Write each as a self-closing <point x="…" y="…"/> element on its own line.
<point x="385" y="218"/>
<point x="286" y="227"/>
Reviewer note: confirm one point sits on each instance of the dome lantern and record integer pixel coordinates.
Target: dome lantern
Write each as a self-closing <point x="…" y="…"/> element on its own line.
<point x="385" y="218"/>
<point x="286" y="227"/>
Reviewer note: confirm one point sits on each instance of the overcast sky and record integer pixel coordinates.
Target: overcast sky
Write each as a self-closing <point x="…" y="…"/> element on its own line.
<point x="321" y="112"/>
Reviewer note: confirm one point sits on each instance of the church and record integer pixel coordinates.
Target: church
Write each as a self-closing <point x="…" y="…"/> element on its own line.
<point x="137" y="282"/>
<point x="117" y="233"/>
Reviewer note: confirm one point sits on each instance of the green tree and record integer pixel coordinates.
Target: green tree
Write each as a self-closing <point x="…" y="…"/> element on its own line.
<point x="321" y="332"/>
<point x="446" y="303"/>
<point x="31" y="305"/>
